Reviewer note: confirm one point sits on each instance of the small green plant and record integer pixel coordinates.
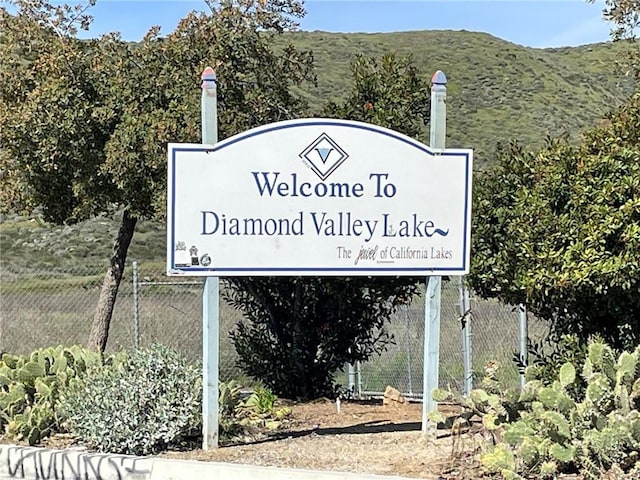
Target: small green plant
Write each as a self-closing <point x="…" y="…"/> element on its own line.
<point x="229" y="398"/>
<point x="229" y="406"/>
<point x="260" y="410"/>
<point x="32" y="387"/>
<point x="596" y="434"/>
<point x="262" y="401"/>
<point x="256" y="413"/>
<point x="150" y="403"/>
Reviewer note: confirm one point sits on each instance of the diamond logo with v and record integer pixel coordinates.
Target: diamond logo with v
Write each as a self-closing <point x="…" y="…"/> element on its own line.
<point x="324" y="156"/>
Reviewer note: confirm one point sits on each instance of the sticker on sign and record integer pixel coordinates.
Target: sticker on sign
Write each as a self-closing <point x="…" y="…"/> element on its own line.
<point x="318" y="197"/>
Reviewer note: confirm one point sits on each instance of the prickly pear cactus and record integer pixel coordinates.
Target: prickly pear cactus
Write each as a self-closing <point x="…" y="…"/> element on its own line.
<point x="31" y="387"/>
<point x="593" y="435"/>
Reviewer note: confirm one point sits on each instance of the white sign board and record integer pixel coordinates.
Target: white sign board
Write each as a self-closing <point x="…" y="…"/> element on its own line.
<point x="318" y="197"/>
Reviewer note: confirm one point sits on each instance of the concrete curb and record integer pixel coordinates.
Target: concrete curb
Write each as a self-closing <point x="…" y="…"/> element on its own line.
<point x="19" y="462"/>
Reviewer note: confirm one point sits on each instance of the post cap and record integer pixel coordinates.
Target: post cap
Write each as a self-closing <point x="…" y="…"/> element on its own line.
<point x="208" y="75"/>
<point x="439" y="78"/>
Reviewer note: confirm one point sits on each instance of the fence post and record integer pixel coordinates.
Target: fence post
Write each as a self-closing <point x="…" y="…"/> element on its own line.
<point x="524" y="335"/>
<point x="352" y="379"/>
<point x="136" y="308"/>
<point x="467" y="350"/>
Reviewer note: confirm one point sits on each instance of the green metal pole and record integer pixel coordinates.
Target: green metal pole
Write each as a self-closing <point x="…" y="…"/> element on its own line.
<point x="432" y="294"/>
<point x="211" y="292"/>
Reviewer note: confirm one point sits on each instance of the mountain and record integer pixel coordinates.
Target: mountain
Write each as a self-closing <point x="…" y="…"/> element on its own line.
<point x="497" y="90"/>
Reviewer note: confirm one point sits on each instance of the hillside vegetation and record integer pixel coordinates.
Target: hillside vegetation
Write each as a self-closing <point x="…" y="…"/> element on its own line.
<point x="497" y="91"/>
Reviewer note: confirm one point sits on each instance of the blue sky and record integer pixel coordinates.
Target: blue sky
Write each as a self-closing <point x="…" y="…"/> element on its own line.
<point x="541" y="23"/>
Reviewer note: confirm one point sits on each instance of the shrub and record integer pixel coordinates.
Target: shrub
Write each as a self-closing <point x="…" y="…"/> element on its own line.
<point x="578" y="264"/>
<point x="150" y="403"/>
<point x="252" y="416"/>
<point x="229" y="405"/>
<point x="299" y="331"/>
<point x="31" y="388"/>
<point x="262" y="401"/>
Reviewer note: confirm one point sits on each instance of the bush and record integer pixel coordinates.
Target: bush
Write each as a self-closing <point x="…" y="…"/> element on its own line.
<point x="297" y="332"/>
<point x="578" y="264"/>
<point x="31" y="388"/>
<point x="149" y="404"/>
<point x="248" y="418"/>
<point x="229" y="404"/>
<point x="262" y="401"/>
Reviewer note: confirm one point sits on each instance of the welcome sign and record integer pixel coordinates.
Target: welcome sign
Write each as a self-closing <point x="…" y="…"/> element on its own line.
<point x="318" y="197"/>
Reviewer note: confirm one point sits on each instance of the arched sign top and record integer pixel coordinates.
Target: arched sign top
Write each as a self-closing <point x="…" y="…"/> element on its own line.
<point x="329" y="122"/>
<point x="318" y="197"/>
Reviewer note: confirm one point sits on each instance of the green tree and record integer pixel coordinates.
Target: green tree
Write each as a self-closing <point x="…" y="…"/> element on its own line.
<point x="624" y="14"/>
<point x="559" y="231"/>
<point x="85" y="122"/>
<point x="298" y="332"/>
<point x="388" y="92"/>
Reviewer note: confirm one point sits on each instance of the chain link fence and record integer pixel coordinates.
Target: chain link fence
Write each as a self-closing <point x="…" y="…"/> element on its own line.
<point x="44" y="307"/>
<point x="56" y="306"/>
<point x="494" y="337"/>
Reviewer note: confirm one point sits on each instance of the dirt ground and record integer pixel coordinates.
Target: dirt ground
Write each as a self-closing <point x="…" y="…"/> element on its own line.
<point x="365" y="437"/>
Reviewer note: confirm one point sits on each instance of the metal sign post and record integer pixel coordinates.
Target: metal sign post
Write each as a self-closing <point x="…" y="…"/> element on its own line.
<point x="211" y="292"/>
<point x="434" y="283"/>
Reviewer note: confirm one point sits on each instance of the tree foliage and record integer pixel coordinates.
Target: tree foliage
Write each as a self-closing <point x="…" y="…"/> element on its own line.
<point x="388" y="92"/>
<point x="86" y="122"/>
<point x="298" y="332"/>
<point x="52" y="135"/>
<point x="625" y="16"/>
<point x="559" y="231"/>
